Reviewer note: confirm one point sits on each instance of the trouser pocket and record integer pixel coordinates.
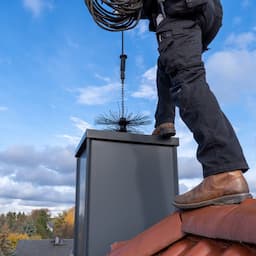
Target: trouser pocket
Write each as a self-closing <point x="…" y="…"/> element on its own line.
<point x="195" y="3"/>
<point x="165" y="40"/>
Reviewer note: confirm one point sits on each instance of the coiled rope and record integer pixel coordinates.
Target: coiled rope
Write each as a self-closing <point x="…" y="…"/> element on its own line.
<point x="115" y="15"/>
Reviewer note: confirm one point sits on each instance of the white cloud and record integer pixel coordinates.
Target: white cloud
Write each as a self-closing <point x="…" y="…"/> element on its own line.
<point x="19" y="205"/>
<point x="145" y="91"/>
<point x="33" y="178"/>
<point x="19" y="195"/>
<point x="231" y="73"/>
<point x="241" y="41"/>
<point x="147" y="88"/>
<point x="187" y="148"/>
<point x="150" y="74"/>
<point x="73" y="140"/>
<point x="80" y="124"/>
<point x="140" y="31"/>
<point x="188" y="184"/>
<point x="142" y="27"/>
<point x="93" y="95"/>
<point x="246" y="3"/>
<point x="139" y="60"/>
<point x="189" y="168"/>
<point x="103" y="78"/>
<point x="37" y="6"/>
<point x="3" y="108"/>
<point x="16" y="161"/>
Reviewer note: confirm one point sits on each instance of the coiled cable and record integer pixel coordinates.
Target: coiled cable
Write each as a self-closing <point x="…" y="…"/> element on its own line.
<point x="115" y="15"/>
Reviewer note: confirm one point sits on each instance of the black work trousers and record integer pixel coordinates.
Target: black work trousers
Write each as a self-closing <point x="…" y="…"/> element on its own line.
<point x="181" y="82"/>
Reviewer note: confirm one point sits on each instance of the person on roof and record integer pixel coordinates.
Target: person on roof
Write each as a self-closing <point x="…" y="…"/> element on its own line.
<point x="184" y="29"/>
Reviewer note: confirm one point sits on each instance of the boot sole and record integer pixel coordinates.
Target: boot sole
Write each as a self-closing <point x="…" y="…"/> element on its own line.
<point x="166" y="133"/>
<point x="230" y="199"/>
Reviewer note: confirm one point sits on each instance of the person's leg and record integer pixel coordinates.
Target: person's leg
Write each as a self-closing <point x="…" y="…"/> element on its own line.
<point x="165" y="110"/>
<point x="218" y="148"/>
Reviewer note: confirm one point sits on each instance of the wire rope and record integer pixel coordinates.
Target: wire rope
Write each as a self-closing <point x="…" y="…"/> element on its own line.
<point x="115" y="15"/>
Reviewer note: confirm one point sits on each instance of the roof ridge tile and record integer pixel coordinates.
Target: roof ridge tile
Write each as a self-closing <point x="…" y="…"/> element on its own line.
<point x="206" y="231"/>
<point x="230" y="222"/>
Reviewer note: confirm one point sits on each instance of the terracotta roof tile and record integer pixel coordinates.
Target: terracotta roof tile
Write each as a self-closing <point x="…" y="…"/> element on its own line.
<point x="208" y="231"/>
<point x="199" y="246"/>
<point x="151" y="240"/>
<point x="240" y="250"/>
<point x="205" y="247"/>
<point x="179" y="248"/>
<point x="230" y="222"/>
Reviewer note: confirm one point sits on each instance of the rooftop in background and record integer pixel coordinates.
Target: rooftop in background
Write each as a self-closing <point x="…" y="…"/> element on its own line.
<point x="45" y="247"/>
<point x="226" y="230"/>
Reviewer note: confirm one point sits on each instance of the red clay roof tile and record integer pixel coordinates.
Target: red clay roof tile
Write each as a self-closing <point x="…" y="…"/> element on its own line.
<point x="180" y="247"/>
<point x="199" y="246"/>
<point x="191" y="233"/>
<point x="153" y="239"/>
<point x="240" y="250"/>
<point x="230" y="222"/>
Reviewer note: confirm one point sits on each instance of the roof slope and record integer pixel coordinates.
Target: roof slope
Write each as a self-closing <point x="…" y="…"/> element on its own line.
<point x="44" y="247"/>
<point x="226" y="230"/>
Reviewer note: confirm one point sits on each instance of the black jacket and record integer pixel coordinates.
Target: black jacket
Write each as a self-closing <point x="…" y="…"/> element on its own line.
<point x="173" y="8"/>
<point x="150" y="11"/>
<point x="208" y="13"/>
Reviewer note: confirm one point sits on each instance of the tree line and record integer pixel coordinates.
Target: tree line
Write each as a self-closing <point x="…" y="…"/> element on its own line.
<point x="36" y="225"/>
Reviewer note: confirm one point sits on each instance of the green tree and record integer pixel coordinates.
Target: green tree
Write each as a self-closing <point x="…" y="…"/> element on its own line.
<point x="59" y="223"/>
<point x="2" y="220"/>
<point x="40" y="218"/>
<point x="11" y="220"/>
<point x="29" y="228"/>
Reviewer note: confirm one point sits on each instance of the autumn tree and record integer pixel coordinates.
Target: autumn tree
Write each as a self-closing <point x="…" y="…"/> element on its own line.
<point x="64" y="224"/>
<point x="5" y="245"/>
<point x="15" y="237"/>
<point x="36" y="225"/>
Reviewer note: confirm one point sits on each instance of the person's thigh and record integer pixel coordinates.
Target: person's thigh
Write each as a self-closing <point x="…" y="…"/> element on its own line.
<point x="181" y="49"/>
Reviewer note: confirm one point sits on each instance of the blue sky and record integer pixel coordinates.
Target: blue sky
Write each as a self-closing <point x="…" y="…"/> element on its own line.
<point x="59" y="71"/>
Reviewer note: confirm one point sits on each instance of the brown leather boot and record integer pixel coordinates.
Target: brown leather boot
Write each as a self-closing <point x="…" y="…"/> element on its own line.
<point x="165" y="130"/>
<point x="222" y="188"/>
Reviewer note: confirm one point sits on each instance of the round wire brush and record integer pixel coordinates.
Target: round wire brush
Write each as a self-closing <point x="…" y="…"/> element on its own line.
<point x="123" y="123"/>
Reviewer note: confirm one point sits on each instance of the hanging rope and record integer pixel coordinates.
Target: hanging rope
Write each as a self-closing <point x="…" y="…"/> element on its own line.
<point x="115" y="15"/>
<point x="123" y="58"/>
<point x="123" y="122"/>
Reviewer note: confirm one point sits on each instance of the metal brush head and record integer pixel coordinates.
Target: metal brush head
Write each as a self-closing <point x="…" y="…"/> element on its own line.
<point x="127" y="123"/>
